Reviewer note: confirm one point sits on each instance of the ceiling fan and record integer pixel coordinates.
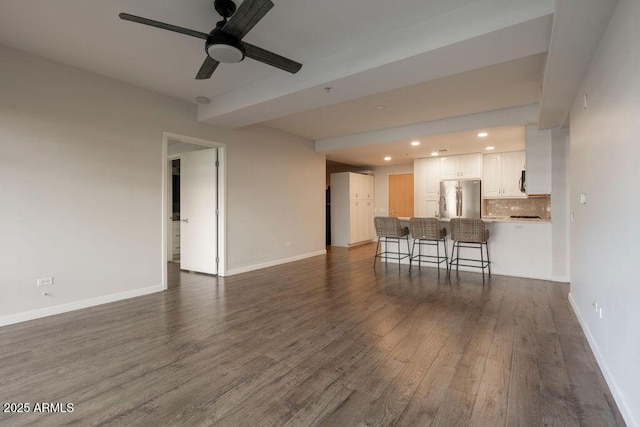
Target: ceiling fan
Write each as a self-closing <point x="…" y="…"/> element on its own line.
<point x="224" y="43"/>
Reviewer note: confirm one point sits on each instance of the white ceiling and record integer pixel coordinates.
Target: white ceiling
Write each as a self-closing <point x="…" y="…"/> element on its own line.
<point x="424" y="60"/>
<point x="502" y="139"/>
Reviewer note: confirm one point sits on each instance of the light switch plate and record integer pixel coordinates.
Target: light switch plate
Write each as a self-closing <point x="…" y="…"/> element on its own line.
<point x="583" y="199"/>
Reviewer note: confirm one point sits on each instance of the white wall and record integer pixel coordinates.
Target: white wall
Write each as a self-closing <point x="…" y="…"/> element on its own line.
<point x="560" y="205"/>
<point x="82" y="188"/>
<point x="604" y="237"/>
<point x="381" y="185"/>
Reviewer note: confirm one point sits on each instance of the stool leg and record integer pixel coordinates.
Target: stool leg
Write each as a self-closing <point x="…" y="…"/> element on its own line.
<point x="375" y="257"/>
<point x="453" y="249"/>
<point x="482" y="262"/>
<point x="446" y="258"/>
<point x="407" y="239"/>
<point x="413" y="249"/>
<point x="486" y="245"/>
<point x="438" y="255"/>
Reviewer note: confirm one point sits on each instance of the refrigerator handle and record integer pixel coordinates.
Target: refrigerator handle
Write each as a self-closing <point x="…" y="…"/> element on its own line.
<point x="458" y="201"/>
<point x="444" y="203"/>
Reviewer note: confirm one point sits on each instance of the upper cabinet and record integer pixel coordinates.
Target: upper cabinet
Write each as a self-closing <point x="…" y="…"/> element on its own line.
<point x="426" y="184"/>
<point x="502" y="175"/>
<point x="360" y="187"/>
<point x="468" y="166"/>
<point x="426" y="175"/>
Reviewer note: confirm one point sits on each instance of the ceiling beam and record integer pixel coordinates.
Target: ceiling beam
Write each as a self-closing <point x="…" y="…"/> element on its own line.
<point x="375" y="60"/>
<point x="578" y="26"/>
<point x="526" y="114"/>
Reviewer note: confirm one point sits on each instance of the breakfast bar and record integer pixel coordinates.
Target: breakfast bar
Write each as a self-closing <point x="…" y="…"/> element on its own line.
<point x="517" y="247"/>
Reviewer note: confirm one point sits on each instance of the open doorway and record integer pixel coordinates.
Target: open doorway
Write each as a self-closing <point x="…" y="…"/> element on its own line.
<point x="194" y="205"/>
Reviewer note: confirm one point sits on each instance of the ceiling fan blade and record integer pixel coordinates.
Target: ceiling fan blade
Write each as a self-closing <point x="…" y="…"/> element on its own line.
<point x="270" y="58"/>
<point x="208" y="67"/>
<point x="246" y="17"/>
<point x="157" y="24"/>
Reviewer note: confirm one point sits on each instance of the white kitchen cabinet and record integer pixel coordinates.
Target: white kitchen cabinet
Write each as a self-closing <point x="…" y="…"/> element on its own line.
<point x="361" y="187"/>
<point x="492" y="175"/>
<point x="351" y="208"/>
<point x="467" y="166"/>
<point x="502" y="173"/>
<point x="426" y="174"/>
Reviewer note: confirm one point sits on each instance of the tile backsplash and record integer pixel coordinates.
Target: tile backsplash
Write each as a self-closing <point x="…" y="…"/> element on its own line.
<point x="540" y="206"/>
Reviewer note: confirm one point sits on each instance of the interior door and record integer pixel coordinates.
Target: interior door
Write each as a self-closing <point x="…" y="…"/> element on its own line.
<point x="198" y="204"/>
<point x="401" y="195"/>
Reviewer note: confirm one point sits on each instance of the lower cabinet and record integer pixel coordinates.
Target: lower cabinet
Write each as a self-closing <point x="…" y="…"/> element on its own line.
<point x="361" y="227"/>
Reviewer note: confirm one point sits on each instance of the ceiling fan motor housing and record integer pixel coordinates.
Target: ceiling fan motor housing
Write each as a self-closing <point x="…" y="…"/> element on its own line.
<point x="225" y="8"/>
<point x="224" y="47"/>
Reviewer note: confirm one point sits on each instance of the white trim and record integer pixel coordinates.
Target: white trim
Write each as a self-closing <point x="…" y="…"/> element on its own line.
<point x="222" y="200"/>
<point x="76" y="305"/>
<point x="275" y="262"/>
<point x="563" y="279"/>
<point x="613" y="386"/>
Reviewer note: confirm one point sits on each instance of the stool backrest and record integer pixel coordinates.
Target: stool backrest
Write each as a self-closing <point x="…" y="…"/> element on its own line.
<point x="387" y="226"/>
<point x="426" y="228"/>
<point x="470" y="230"/>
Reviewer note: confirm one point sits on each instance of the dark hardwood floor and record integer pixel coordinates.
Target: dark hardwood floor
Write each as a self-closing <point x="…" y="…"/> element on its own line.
<point x="323" y="341"/>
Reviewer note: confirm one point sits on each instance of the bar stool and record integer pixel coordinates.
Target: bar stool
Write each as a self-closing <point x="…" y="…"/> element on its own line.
<point x="428" y="232"/>
<point x="389" y="230"/>
<point x="469" y="233"/>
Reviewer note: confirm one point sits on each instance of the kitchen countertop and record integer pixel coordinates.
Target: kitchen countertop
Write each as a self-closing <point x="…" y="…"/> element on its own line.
<point x="490" y="220"/>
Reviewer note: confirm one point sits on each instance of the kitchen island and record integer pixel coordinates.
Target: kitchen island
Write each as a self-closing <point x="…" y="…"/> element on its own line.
<point x="517" y="247"/>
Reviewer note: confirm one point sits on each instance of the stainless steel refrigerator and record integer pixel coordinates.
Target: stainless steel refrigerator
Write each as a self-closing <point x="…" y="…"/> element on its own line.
<point x="460" y="199"/>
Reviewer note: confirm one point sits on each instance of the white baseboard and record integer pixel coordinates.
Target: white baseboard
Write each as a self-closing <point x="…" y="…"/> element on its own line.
<point x="617" y="396"/>
<point x="248" y="268"/>
<point x="76" y="305"/>
<point x="563" y="279"/>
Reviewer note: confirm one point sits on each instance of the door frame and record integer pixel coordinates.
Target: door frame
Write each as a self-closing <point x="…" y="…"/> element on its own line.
<point x="222" y="200"/>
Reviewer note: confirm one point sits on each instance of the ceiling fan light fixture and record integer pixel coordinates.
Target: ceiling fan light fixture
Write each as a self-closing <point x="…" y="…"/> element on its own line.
<point x="225" y="53"/>
<point x="224" y="48"/>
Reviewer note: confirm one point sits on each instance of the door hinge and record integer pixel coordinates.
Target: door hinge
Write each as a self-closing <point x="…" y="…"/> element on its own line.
<point x="217" y="260"/>
<point x="217" y="163"/>
<point x="217" y="211"/>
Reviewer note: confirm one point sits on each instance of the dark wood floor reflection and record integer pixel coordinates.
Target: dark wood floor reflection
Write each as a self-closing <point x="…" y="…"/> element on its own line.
<point x="323" y="341"/>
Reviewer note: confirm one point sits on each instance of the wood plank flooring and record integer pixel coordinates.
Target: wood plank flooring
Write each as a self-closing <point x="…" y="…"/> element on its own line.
<point x="322" y="341"/>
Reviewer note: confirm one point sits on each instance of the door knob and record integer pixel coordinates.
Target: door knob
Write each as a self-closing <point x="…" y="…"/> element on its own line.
<point x="186" y="220"/>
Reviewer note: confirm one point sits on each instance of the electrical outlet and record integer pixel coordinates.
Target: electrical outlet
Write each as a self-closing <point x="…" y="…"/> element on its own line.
<point x="595" y="305"/>
<point x="43" y="281"/>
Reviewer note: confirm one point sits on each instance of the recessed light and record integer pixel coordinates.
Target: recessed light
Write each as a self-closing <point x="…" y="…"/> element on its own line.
<point x="435" y="153"/>
<point x="202" y="100"/>
<point x="387" y="158"/>
<point x="491" y="148"/>
<point x="379" y="107"/>
<point x="482" y="134"/>
<point x="415" y="143"/>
